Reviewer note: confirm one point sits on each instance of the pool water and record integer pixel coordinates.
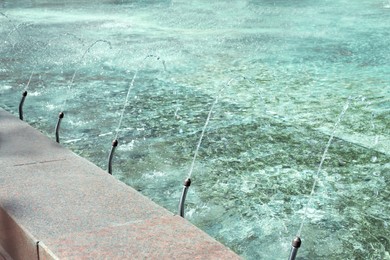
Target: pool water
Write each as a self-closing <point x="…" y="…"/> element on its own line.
<point x="282" y="70"/>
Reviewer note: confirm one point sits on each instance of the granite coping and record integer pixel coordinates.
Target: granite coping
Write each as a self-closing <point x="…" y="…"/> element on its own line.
<point x="57" y="205"/>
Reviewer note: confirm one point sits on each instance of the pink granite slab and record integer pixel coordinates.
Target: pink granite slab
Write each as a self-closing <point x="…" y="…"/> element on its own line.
<point x="21" y="144"/>
<point x="169" y="237"/>
<point x="15" y="240"/>
<point x="70" y="196"/>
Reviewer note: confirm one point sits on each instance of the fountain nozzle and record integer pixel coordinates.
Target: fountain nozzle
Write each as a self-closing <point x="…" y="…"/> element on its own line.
<point x="114" y="145"/>
<point x="24" y="95"/>
<point x="295" y="245"/>
<point x="187" y="184"/>
<point x="60" y="117"/>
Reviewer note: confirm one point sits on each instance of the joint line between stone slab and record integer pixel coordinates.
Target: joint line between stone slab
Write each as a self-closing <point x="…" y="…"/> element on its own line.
<point x="47" y="250"/>
<point x="40" y="162"/>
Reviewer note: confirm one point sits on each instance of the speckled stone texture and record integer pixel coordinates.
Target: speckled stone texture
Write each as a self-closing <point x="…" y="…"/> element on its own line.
<point x="57" y="205"/>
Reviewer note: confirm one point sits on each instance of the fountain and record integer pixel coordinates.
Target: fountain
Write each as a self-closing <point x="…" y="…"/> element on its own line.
<point x="15" y="27"/>
<point x="115" y="141"/>
<point x="253" y="159"/>
<point x="24" y="94"/>
<point x="25" y="91"/>
<point x="297" y="240"/>
<point x="187" y="182"/>
<point x="61" y="114"/>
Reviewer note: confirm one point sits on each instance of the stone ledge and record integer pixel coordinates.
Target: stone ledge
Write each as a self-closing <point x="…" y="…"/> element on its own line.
<point x="15" y="240"/>
<point x="57" y="205"/>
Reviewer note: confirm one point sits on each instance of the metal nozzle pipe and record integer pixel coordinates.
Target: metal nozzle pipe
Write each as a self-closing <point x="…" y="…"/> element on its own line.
<point x="60" y="117"/>
<point x="187" y="184"/>
<point x="295" y="245"/>
<point x="114" y="145"/>
<point x="24" y="95"/>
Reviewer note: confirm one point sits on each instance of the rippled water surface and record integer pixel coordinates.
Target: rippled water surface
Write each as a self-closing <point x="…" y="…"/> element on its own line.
<point x="283" y="71"/>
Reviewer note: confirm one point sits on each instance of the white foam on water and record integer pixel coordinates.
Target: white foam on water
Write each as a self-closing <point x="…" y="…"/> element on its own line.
<point x="5" y="87"/>
<point x="127" y="146"/>
<point x="77" y="123"/>
<point x="51" y="106"/>
<point x="154" y="175"/>
<point x="105" y="134"/>
<point x="35" y="93"/>
<point x="72" y="140"/>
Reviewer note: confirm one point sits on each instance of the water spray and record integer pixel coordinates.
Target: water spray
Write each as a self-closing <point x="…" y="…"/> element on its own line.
<point x="61" y="114"/>
<point x="115" y="142"/>
<point x="15" y="28"/>
<point x="297" y="241"/>
<point x="187" y="182"/>
<point x="25" y="91"/>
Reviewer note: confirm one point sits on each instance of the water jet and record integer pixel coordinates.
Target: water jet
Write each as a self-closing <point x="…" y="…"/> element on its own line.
<point x="297" y="241"/>
<point x="111" y="155"/>
<point x="25" y="91"/>
<point x="73" y="77"/>
<point x="187" y="182"/>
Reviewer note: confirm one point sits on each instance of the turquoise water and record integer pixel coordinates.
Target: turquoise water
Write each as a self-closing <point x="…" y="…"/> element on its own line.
<point x="259" y="158"/>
